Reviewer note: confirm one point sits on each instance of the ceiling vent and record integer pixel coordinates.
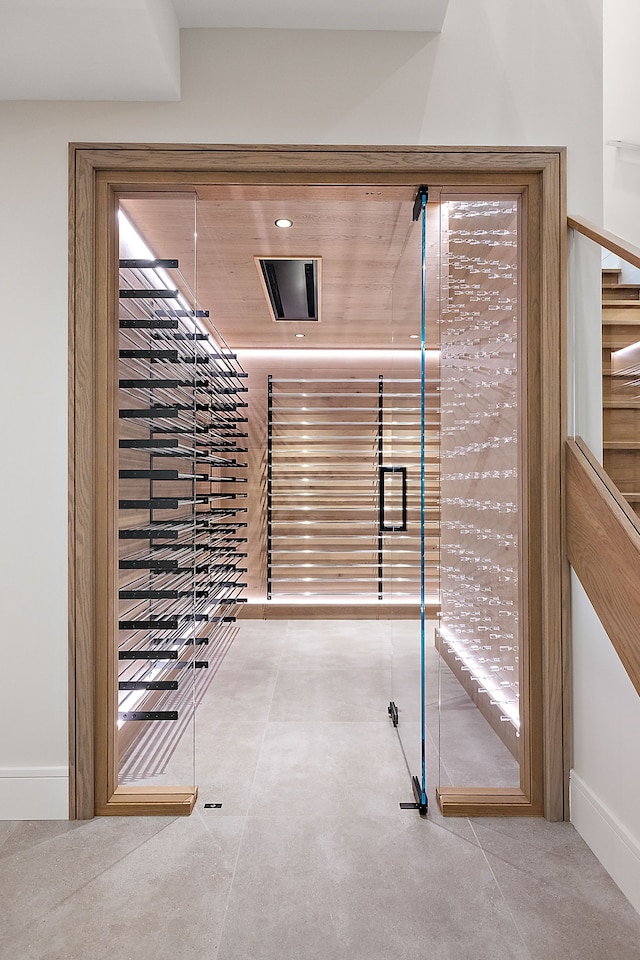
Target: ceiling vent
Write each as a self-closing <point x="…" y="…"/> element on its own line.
<point x="291" y="286"/>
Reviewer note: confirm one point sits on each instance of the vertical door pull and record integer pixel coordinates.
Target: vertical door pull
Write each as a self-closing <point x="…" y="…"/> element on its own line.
<point x="388" y="499"/>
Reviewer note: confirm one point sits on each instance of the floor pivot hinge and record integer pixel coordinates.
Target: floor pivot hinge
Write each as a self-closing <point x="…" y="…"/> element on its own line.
<point x="422" y="803"/>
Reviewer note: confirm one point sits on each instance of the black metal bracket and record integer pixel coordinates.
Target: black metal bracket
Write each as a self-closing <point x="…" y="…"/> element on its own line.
<point x="148" y="715"/>
<point x="422" y="803"/>
<point x="392" y="710"/>
<point x="139" y="264"/>
<point x="421" y="196"/>
<point x="269" y="484"/>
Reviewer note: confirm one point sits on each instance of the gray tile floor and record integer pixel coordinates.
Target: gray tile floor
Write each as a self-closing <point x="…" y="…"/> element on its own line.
<point x="310" y="857"/>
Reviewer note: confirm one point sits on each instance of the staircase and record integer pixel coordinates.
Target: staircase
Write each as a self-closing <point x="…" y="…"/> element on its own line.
<point x="621" y="383"/>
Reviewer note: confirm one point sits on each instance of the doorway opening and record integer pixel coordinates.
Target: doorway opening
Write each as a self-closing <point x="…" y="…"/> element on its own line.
<point x="356" y="358"/>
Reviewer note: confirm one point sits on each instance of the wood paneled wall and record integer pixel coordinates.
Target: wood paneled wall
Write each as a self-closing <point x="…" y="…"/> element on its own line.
<point x="334" y="443"/>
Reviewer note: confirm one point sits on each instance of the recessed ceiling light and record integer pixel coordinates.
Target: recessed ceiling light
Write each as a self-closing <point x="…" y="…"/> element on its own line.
<point x="299" y="334"/>
<point x="283" y="222"/>
<point x="414" y="336"/>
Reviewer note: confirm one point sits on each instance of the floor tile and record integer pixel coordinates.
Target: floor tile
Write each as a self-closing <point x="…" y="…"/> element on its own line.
<point x="567" y="908"/>
<point x="333" y="693"/>
<point x="356" y="643"/>
<point x="262" y="640"/>
<point x="226" y="760"/>
<point x="355" y="888"/>
<point x="310" y="856"/>
<point x="47" y="865"/>
<point x="340" y="768"/>
<point x="166" y="898"/>
<point x="242" y="691"/>
<point x="7" y="828"/>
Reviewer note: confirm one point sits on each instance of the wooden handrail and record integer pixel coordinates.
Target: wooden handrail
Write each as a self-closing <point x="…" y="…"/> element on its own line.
<point x="622" y="248"/>
<point x="603" y="545"/>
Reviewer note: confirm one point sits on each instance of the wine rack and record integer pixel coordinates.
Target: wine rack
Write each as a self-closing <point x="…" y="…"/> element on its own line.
<point x="343" y="488"/>
<point x="481" y="501"/>
<point x="182" y="508"/>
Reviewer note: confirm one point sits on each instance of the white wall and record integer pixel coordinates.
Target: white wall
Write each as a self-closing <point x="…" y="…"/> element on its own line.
<point x="605" y="780"/>
<point x="622" y="118"/>
<point x="606" y="771"/>
<point x="480" y="82"/>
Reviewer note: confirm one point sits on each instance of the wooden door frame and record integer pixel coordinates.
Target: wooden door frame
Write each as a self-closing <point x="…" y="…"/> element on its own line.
<point x="97" y="171"/>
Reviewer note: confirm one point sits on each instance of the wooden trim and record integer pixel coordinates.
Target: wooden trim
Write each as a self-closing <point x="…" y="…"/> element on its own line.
<point x="97" y="170"/>
<point x="71" y="533"/>
<point x="105" y="492"/>
<point x="622" y="248"/>
<point x="544" y="772"/>
<point x="151" y="802"/>
<point x="553" y="386"/>
<point x="565" y="570"/>
<point x="532" y="492"/>
<point x="81" y="488"/>
<point x="486" y="802"/>
<point x="603" y="541"/>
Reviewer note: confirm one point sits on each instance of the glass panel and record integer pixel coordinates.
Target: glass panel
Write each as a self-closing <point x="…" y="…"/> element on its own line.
<point x="585" y="262"/>
<point x="480" y="488"/>
<point x="604" y="292"/>
<point x="621" y="375"/>
<point x="410" y="507"/>
<point x="182" y="496"/>
<point x="160" y="588"/>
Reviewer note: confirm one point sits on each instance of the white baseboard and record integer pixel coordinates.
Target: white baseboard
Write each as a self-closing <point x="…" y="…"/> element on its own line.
<point x="614" y="846"/>
<point x="34" y="793"/>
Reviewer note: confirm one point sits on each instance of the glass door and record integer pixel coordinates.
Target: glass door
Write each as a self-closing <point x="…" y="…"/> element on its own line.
<point x="409" y="490"/>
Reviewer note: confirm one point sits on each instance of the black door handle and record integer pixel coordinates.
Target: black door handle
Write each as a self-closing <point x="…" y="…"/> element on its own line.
<point x="385" y="527"/>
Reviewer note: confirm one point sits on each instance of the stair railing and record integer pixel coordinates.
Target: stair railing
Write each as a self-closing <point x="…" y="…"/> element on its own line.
<point x="602" y="474"/>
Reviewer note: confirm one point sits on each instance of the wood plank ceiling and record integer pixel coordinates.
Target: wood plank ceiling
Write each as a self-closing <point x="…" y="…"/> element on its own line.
<point x="369" y="245"/>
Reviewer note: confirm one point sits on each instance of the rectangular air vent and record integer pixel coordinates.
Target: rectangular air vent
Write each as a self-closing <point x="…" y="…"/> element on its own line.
<point x="291" y="286"/>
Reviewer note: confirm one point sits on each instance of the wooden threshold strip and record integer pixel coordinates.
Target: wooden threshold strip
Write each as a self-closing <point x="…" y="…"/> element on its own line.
<point x="603" y="545"/>
<point x="150" y="801"/>
<point x="486" y="802"/>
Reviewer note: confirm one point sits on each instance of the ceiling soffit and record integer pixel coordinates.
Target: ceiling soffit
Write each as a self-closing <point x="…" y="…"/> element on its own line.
<point x="409" y="15"/>
<point x="91" y="49"/>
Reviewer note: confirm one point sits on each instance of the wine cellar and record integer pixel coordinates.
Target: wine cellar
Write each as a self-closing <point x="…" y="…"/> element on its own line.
<point x="321" y="408"/>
